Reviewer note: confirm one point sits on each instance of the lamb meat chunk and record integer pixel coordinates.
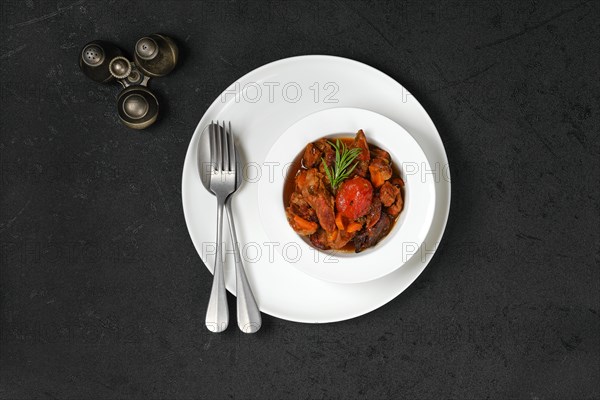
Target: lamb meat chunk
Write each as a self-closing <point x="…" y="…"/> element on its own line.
<point x="397" y="182"/>
<point x="301" y="208"/>
<point x="388" y="193"/>
<point x="312" y="156"/>
<point x="328" y="153"/>
<point x="374" y="213"/>
<point x="369" y="237"/>
<point x="315" y="152"/>
<point x="360" y="142"/>
<point x="381" y="171"/>
<point x="319" y="239"/>
<point x="376" y="152"/>
<point x="323" y="205"/>
<point x="398" y="205"/>
<point x="310" y="184"/>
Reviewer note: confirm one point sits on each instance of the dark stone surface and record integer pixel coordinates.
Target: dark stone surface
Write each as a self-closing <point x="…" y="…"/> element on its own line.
<point x="103" y="296"/>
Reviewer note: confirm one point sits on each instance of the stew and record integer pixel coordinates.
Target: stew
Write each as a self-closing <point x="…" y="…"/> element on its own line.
<point x="343" y="194"/>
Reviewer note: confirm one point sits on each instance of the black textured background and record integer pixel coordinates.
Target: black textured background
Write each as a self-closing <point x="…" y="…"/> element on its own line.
<point x="103" y="296"/>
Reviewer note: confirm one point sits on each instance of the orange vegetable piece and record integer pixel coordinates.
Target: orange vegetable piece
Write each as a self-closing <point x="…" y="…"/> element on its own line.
<point x="305" y="225"/>
<point x="339" y="222"/>
<point x="354" y="227"/>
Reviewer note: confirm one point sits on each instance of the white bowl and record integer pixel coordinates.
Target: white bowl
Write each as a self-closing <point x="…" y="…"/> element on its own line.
<point x="407" y="234"/>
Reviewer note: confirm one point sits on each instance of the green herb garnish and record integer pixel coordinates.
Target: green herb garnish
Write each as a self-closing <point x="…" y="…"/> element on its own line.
<point x="341" y="169"/>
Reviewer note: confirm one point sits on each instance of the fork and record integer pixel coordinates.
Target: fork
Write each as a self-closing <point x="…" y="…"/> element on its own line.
<point x="224" y="181"/>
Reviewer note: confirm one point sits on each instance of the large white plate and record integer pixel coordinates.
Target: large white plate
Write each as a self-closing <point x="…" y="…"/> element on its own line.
<point x="408" y="232"/>
<point x="261" y="106"/>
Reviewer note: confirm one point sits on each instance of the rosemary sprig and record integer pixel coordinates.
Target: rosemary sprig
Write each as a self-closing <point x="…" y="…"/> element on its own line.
<point x="341" y="169"/>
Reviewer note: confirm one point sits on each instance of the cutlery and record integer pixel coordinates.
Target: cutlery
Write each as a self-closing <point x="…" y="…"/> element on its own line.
<point x="222" y="177"/>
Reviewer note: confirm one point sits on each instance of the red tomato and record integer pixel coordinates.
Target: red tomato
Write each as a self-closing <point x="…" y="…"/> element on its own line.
<point x="354" y="197"/>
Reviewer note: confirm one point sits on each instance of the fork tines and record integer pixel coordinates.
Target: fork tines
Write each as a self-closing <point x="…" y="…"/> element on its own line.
<point x="222" y="147"/>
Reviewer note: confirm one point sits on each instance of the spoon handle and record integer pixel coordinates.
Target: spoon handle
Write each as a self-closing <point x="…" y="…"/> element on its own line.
<point x="217" y="314"/>
<point x="248" y="314"/>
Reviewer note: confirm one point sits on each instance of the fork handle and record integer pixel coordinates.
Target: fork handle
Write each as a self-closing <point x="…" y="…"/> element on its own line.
<point x="248" y="314"/>
<point x="217" y="314"/>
